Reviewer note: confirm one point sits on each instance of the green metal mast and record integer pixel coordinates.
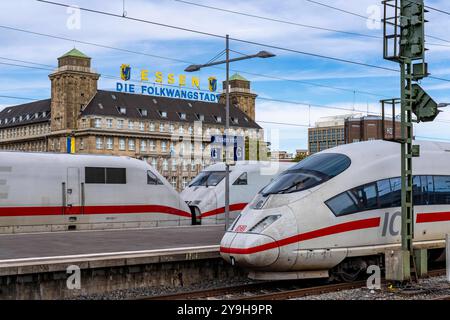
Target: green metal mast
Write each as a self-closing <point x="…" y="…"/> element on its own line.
<point x="408" y="44"/>
<point x="404" y="42"/>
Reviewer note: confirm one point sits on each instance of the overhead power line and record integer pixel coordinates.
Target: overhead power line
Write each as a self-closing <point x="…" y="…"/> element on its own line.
<point x="231" y="38"/>
<point x="368" y="18"/>
<point x="303" y="82"/>
<point x="234" y="39"/>
<point x="278" y="20"/>
<point x="363" y="16"/>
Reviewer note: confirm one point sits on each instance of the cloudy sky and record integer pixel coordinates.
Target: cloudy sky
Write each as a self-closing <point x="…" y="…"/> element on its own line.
<point x="305" y="80"/>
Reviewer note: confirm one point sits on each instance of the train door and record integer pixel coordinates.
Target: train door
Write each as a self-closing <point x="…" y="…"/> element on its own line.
<point x="73" y="192"/>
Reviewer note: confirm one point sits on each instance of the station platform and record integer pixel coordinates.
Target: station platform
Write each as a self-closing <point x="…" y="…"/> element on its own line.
<point x="69" y="243"/>
<point x="36" y="266"/>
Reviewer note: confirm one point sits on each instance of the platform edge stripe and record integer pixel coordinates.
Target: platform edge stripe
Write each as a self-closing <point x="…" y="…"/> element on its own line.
<point x="336" y="229"/>
<point x="119" y="254"/>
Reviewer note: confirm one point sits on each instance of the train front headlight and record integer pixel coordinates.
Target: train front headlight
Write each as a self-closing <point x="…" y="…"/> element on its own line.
<point x="264" y="223"/>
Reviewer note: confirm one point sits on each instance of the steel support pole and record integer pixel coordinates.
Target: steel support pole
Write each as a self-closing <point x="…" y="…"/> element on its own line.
<point x="407" y="231"/>
<point x="227" y="126"/>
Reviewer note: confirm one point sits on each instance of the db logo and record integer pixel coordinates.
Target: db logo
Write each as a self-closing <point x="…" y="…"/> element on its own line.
<point x="240" y="228"/>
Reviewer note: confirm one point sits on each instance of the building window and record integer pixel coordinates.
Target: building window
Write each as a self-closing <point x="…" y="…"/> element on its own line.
<point x="163" y="114"/>
<point x="98" y="143"/>
<point x="182" y="116"/>
<point x="193" y="166"/>
<point x="161" y="127"/>
<point x="200" y="117"/>
<point x="122" y="110"/>
<point x="184" y="182"/>
<point x="181" y="130"/>
<point x="98" y="123"/>
<point x="151" y="127"/>
<point x="174" y="165"/>
<point x="120" y="124"/>
<point x="152" y="145"/>
<point x="190" y="130"/>
<point x="109" y="143"/>
<point x="131" y="144"/>
<point x="185" y="166"/>
<point x="122" y="144"/>
<point x="154" y="162"/>
<point x="171" y="128"/>
<point x="218" y="119"/>
<point x="163" y="146"/>
<point x="165" y="165"/>
<point x="173" y="182"/>
<point x="130" y="125"/>
<point x="141" y="126"/>
<point x="143" y="145"/>
<point x="109" y="123"/>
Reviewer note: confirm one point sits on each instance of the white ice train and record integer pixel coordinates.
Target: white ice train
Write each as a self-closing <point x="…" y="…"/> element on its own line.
<point x="50" y="192"/>
<point x="205" y="195"/>
<point x="337" y="211"/>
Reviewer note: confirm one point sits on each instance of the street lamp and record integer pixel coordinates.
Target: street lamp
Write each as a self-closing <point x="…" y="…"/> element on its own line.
<point x="227" y="61"/>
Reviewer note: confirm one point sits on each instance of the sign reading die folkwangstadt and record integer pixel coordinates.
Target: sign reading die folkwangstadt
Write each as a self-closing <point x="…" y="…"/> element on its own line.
<point x="176" y="85"/>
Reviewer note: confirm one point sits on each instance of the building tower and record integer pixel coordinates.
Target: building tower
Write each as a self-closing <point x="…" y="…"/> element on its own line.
<point x="73" y="85"/>
<point x="240" y="95"/>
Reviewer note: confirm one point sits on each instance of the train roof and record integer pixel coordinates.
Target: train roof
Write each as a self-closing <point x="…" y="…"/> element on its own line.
<point x="62" y="156"/>
<point x="382" y="146"/>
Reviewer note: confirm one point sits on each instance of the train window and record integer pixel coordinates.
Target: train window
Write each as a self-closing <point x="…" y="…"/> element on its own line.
<point x="396" y="192"/>
<point x="441" y="190"/>
<point x="342" y="204"/>
<point x="308" y="173"/>
<point x="208" y="178"/>
<point x="116" y="176"/>
<point x="365" y="196"/>
<point x="384" y="193"/>
<point x="94" y="175"/>
<point x="105" y="175"/>
<point x="152" y="178"/>
<point x="242" y="180"/>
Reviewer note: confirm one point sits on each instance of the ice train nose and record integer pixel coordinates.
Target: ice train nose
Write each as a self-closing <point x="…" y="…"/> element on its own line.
<point x="249" y="250"/>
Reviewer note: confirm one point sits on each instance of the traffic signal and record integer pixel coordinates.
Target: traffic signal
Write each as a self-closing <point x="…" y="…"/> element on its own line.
<point x="412" y="27"/>
<point x="424" y="107"/>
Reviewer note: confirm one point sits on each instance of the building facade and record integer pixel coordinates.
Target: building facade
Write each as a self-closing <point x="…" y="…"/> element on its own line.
<point x="333" y="131"/>
<point x="173" y="135"/>
<point x="328" y="133"/>
<point x="370" y="128"/>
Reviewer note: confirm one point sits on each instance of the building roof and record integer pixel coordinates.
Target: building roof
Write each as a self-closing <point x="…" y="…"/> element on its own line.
<point x="237" y="76"/>
<point x="107" y="103"/>
<point x="74" y="53"/>
<point x="28" y="113"/>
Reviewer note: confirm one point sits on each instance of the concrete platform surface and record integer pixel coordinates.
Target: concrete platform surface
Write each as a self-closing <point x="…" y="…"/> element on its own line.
<point x="60" y="244"/>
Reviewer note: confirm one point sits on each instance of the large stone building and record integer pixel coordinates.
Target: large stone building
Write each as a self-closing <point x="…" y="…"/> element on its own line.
<point x="330" y="132"/>
<point x="171" y="134"/>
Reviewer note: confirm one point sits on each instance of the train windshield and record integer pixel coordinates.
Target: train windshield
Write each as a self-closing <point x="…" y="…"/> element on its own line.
<point x="308" y="173"/>
<point x="208" y="179"/>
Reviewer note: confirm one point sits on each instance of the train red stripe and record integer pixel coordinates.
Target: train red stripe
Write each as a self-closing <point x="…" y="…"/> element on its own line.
<point x="339" y="228"/>
<point x="233" y="207"/>
<point x="433" y="217"/>
<point x="121" y="209"/>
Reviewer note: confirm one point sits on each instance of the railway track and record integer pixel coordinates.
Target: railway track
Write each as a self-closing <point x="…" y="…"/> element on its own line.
<point x="272" y="290"/>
